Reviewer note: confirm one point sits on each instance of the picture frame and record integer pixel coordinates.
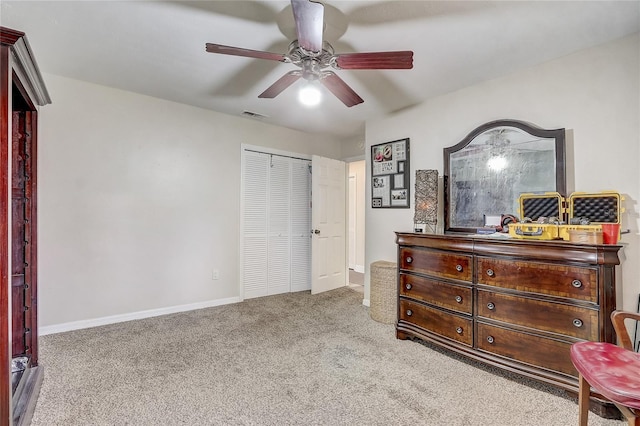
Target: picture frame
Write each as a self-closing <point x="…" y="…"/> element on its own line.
<point x="390" y="179"/>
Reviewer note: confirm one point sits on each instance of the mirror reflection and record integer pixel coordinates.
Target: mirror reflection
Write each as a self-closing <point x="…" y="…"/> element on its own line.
<point x="497" y="162"/>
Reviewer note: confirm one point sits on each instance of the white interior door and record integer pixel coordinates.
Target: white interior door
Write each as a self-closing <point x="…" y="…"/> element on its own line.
<point x="328" y="218"/>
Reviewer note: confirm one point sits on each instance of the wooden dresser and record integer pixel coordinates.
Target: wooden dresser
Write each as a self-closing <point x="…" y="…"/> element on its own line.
<point x="514" y="304"/>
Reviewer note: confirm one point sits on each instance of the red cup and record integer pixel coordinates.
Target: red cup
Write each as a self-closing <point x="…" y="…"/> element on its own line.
<point x="610" y="233"/>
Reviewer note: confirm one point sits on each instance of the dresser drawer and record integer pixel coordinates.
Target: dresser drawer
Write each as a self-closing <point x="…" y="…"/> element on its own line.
<point x="535" y="350"/>
<point x="454" y="297"/>
<point x="436" y="263"/>
<point x="452" y="326"/>
<point x="574" y="321"/>
<point x="556" y="280"/>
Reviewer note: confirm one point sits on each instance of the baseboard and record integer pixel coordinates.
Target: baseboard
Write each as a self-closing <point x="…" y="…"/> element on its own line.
<point x="297" y="288"/>
<point x="96" y="322"/>
<point x="366" y="302"/>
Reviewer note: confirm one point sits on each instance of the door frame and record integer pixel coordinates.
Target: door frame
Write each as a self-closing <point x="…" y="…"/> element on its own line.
<point x="17" y="68"/>
<point x="361" y="202"/>
<point x="352" y="220"/>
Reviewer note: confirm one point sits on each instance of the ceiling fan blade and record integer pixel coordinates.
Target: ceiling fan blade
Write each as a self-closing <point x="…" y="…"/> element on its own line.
<point x="375" y="60"/>
<point x="340" y="89"/>
<point x="238" y="51"/>
<point x="381" y="83"/>
<point x="283" y="82"/>
<point x="309" y="17"/>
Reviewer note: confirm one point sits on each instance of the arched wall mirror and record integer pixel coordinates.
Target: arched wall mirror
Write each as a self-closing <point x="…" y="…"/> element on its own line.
<point x="488" y="170"/>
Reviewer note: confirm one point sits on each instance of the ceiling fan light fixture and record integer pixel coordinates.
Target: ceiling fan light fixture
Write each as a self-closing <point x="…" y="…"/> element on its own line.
<point x="310" y="95"/>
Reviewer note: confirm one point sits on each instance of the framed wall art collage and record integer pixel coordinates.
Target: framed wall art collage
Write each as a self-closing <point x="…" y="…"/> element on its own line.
<point x="390" y="174"/>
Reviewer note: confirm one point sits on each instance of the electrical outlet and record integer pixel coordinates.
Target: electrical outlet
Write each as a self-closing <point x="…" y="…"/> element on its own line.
<point x="215" y="274"/>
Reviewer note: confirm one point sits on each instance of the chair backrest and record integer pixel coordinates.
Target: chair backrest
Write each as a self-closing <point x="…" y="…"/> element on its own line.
<point x="617" y="318"/>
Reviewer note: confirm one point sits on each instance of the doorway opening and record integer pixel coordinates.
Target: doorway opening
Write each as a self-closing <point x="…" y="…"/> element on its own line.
<point x="356" y="219"/>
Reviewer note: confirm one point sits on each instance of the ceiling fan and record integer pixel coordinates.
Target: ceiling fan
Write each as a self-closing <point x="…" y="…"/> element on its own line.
<point x="314" y="55"/>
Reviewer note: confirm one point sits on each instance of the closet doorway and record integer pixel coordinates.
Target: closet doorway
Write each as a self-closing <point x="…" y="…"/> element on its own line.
<point x="293" y="226"/>
<point x="356" y="217"/>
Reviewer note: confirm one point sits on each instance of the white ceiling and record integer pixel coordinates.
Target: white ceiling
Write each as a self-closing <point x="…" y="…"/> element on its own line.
<point x="158" y="48"/>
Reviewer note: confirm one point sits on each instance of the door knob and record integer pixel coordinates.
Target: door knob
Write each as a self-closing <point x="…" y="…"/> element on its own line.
<point x="316" y="231"/>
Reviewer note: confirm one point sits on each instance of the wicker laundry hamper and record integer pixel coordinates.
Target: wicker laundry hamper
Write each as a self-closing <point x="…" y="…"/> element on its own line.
<point x="384" y="292"/>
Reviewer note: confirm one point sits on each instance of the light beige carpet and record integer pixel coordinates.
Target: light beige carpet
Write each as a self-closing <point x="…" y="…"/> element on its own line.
<point x="291" y="359"/>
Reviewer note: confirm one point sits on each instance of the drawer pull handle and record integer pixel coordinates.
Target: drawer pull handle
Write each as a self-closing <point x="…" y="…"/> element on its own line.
<point x="577" y="322"/>
<point x="491" y="273"/>
<point x="409" y="312"/>
<point x="459" y="330"/>
<point x="459" y="299"/>
<point x="491" y="306"/>
<point x="459" y="268"/>
<point x="408" y="286"/>
<point x="576" y="283"/>
<point x="409" y="259"/>
<point x="490" y="339"/>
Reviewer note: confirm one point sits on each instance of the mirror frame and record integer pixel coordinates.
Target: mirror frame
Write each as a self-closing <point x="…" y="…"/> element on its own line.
<point x="560" y="160"/>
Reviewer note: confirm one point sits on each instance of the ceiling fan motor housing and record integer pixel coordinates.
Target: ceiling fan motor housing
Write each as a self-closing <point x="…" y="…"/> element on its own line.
<point x="311" y="63"/>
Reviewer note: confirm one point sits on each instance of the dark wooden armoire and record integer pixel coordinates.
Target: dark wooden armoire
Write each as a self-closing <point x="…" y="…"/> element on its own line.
<point x="22" y="92"/>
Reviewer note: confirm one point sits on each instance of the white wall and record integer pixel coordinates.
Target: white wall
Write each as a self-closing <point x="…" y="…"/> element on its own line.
<point x="594" y="94"/>
<point x="353" y="148"/>
<point x="139" y="201"/>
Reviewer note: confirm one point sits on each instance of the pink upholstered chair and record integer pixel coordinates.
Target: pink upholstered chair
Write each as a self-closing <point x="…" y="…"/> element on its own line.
<point x="613" y="371"/>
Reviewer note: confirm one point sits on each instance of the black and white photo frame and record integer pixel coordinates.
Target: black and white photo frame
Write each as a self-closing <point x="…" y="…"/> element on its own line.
<point x="390" y="175"/>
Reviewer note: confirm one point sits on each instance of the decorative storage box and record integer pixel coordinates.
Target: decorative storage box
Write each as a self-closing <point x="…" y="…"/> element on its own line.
<point x="585" y="236"/>
<point x="535" y="206"/>
<point x="580" y="233"/>
<point x="598" y="208"/>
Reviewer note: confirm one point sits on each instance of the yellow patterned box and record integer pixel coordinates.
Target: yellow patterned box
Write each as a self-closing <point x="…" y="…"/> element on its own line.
<point x="596" y="208"/>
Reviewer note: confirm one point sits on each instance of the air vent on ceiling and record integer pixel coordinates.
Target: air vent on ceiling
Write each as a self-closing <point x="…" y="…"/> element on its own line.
<point x="253" y="115"/>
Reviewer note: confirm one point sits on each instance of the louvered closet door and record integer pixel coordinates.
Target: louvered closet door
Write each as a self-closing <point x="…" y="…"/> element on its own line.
<point x="300" y="225"/>
<point x="255" y="241"/>
<point x="279" y="249"/>
<point x="276" y="240"/>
